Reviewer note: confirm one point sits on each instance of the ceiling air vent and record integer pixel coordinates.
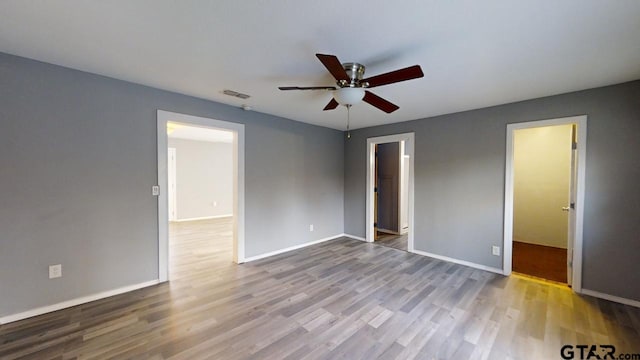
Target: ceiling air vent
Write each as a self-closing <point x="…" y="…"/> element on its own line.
<point x="236" y="94"/>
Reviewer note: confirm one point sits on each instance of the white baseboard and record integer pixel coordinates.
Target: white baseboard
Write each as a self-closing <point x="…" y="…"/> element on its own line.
<point x="291" y="248"/>
<point x="461" y="262"/>
<point x="354" y="237"/>
<point x="74" y="302"/>
<point x="613" y="298"/>
<point x="205" y="218"/>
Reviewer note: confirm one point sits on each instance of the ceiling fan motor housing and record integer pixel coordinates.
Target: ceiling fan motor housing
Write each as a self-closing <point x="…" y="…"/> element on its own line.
<point x="355" y="72"/>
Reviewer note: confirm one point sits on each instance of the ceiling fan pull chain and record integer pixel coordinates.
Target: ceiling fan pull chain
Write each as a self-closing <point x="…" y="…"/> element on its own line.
<point x="348" y="120"/>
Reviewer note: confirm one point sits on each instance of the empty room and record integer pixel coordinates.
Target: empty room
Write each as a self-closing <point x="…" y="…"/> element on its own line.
<point x="319" y="180"/>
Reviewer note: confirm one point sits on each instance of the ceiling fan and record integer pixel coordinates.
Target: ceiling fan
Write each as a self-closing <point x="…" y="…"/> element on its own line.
<point x="351" y="85"/>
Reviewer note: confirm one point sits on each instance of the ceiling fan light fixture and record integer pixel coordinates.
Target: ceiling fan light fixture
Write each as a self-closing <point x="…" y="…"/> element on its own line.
<point x="348" y="95"/>
<point x="352" y="84"/>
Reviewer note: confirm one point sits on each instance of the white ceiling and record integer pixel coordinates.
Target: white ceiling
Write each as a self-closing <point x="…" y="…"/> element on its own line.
<point x="180" y="131"/>
<point x="473" y="53"/>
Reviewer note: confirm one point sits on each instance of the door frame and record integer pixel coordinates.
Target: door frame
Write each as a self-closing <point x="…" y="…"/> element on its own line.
<point x="398" y="195"/>
<point x="409" y="142"/>
<point x="401" y="201"/>
<point x="238" y="183"/>
<point x="173" y="196"/>
<point x="581" y="123"/>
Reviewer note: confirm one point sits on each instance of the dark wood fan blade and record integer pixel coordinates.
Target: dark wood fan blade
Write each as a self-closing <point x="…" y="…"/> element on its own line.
<point x="412" y="72"/>
<point x="307" y="87"/>
<point x="379" y="102"/>
<point x="332" y="64"/>
<point x="331" y="105"/>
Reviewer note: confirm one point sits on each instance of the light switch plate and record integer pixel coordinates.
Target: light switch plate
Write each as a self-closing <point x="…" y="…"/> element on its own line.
<point x="155" y="190"/>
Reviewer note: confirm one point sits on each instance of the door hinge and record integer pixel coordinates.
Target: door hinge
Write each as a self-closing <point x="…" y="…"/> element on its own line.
<point x="375" y="189"/>
<point x="574" y="145"/>
<point x="375" y="224"/>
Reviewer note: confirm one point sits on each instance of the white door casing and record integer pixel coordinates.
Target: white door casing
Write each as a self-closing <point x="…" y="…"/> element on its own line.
<point x="163" y="117"/>
<point x="171" y="185"/>
<point x="409" y="144"/>
<point x="576" y="215"/>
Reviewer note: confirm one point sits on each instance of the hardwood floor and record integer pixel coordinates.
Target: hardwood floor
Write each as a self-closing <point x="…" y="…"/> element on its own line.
<point x="342" y="299"/>
<point x="545" y="262"/>
<point x="393" y="241"/>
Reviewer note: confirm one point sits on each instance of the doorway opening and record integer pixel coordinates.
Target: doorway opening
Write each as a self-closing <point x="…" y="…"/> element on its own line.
<point x="544" y="199"/>
<point x="201" y="207"/>
<point x="390" y="191"/>
<point x="200" y="198"/>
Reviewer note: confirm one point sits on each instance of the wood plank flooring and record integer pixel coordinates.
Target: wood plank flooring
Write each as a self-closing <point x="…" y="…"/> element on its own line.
<point x="342" y="299"/>
<point x="393" y="241"/>
<point x="541" y="261"/>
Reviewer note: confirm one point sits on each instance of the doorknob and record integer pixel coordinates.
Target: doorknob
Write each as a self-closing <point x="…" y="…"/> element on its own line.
<point x="565" y="208"/>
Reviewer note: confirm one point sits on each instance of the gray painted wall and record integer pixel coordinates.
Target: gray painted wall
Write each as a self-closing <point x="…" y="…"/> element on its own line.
<point x="388" y="179"/>
<point x="79" y="158"/>
<point x="77" y="164"/>
<point x="459" y="181"/>
<point x="204" y="178"/>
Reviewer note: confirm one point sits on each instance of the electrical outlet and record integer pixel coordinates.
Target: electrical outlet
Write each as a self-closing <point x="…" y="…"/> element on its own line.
<point x="495" y="250"/>
<point x="311" y="227"/>
<point x="55" y="271"/>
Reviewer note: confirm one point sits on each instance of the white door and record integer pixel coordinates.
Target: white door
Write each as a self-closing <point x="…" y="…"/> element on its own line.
<point x="171" y="168"/>
<point x="571" y="208"/>
<point x="404" y="190"/>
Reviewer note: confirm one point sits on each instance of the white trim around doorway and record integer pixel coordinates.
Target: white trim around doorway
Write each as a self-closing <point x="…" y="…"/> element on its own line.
<point x="581" y="122"/>
<point x="409" y="142"/>
<point x="238" y="184"/>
